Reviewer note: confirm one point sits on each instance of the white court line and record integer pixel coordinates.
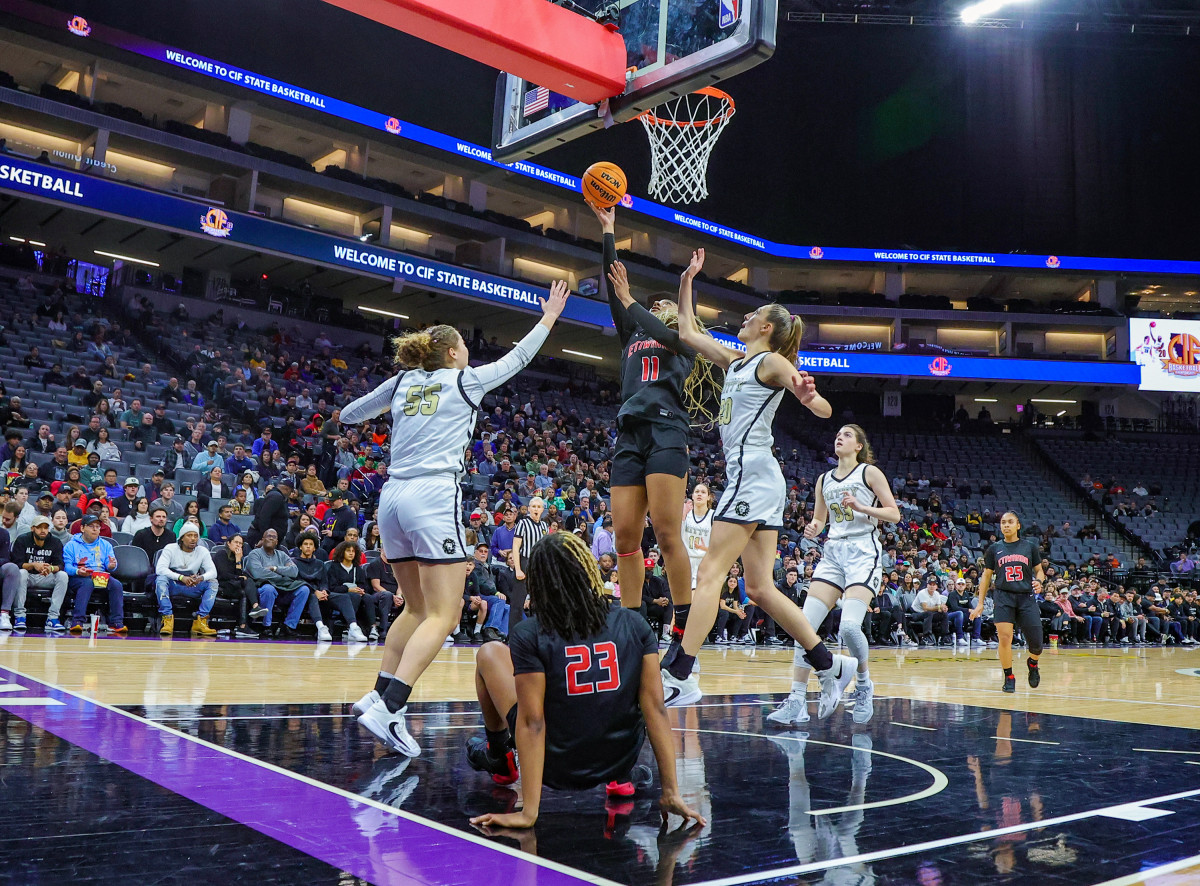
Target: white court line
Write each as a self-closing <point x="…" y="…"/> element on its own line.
<point x="911" y="726"/>
<point x="1192" y="762"/>
<point x="885" y="854"/>
<point x="1142" y="876"/>
<point x="297" y="716"/>
<point x="350" y="795"/>
<point x="940" y="782"/>
<point x="1026" y="740"/>
<point x="912" y="687"/>
<point x="1165" y="751"/>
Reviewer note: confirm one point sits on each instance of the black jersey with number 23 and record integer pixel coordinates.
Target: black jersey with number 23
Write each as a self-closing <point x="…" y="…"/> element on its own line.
<point x="594" y="725"/>
<point x="1013" y="564"/>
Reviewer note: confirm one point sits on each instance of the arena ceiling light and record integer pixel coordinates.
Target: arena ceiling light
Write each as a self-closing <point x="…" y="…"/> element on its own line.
<point x="986" y="400"/>
<point x="1067" y="402"/>
<point x="581" y="354"/>
<point x="983" y="9"/>
<point x="381" y="312"/>
<point x="136" y="261"/>
<point x="30" y="242"/>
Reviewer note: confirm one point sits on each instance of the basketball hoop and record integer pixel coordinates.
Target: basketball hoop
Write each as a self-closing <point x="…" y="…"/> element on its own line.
<point x="682" y="134"/>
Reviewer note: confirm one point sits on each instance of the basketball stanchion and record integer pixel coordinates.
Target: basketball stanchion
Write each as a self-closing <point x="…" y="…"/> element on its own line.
<point x="682" y="134"/>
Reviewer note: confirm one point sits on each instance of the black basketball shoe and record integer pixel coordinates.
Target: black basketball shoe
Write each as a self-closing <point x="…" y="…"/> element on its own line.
<point x="503" y="769"/>
<point x="1035" y="674"/>
<point x="1010" y="683"/>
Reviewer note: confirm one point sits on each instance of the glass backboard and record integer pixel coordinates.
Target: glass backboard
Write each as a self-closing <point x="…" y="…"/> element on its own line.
<point x="672" y="47"/>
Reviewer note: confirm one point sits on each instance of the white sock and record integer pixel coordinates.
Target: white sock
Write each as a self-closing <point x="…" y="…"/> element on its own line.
<point x="387" y="676"/>
<point x="864" y="676"/>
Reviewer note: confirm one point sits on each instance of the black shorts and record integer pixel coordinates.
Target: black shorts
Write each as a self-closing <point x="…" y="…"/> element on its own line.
<point x="556" y="776"/>
<point x="647" y="448"/>
<point x="1013" y="608"/>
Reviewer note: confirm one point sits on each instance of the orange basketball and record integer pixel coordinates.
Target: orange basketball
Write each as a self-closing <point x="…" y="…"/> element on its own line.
<point x="604" y="184"/>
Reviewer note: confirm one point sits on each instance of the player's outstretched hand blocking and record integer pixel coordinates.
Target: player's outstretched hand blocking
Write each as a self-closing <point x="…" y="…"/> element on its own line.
<point x="554" y="305"/>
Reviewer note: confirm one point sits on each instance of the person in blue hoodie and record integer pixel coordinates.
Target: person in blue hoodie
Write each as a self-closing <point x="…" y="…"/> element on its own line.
<point x="88" y="559"/>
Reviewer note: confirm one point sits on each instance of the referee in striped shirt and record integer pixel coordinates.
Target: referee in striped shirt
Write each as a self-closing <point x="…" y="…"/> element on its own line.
<point x="529" y="531"/>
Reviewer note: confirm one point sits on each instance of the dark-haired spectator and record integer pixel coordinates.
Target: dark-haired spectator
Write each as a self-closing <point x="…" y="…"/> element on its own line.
<point x="272" y="513"/>
<point x="156" y="536"/>
<point x="233" y="583"/>
<point x="54" y="376"/>
<point x="89" y="561"/>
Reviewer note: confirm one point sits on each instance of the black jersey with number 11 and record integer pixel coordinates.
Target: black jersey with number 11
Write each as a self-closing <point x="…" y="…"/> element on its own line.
<point x="1013" y="564"/>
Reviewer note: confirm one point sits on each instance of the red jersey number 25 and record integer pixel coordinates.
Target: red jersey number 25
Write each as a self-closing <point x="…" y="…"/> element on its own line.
<point x="580" y="660"/>
<point x="1014" y="574"/>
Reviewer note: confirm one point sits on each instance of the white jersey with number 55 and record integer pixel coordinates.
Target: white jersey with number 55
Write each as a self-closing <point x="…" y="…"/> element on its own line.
<point x="434" y="413"/>
<point x="846" y="522"/>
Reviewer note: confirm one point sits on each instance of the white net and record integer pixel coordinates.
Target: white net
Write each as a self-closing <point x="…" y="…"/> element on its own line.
<point x="682" y="134"/>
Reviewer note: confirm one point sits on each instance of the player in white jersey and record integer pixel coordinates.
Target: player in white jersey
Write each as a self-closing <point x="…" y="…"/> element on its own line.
<point x="433" y="405"/>
<point x="751" y="511"/>
<point x="697" y="526"/>
<point x="855" y="496"/>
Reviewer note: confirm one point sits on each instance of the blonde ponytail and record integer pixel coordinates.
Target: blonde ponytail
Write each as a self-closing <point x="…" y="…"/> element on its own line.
<point x="428" y="349"/>
<point x="786" y="332"/>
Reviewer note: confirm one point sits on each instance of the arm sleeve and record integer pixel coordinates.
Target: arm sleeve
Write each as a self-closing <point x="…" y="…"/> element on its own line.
<point x="477" y="381"/>
<point x="621" y="319"/>
<point x="522" y="644"/>
<point x="659" y="331"/>
<point x="369" y="405"/>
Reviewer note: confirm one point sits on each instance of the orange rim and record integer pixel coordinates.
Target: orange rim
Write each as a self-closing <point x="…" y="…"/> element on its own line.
<point x="711" y="91"/>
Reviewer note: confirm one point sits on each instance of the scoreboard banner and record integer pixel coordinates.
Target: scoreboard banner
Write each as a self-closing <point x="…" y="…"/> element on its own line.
<point x="388" y="125"/>
<point x="1167" y="354"/>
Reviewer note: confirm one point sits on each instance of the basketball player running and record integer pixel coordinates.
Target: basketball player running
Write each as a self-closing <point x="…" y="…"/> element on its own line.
<point x="578" y="686"/>
<point x="857" y="496"/>
<point x="748" y="521"/>
<point x="433" y="405"/>
<point x="650" y="463"/>
<point x="1015" y="566"/>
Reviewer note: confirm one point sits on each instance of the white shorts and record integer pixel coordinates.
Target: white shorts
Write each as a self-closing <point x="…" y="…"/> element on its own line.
<point x="755" y="491"/>
<point x="851" y="562"/>
<point x="420" y="520"/>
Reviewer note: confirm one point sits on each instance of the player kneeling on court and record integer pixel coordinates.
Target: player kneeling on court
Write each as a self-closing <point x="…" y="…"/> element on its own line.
<point x="578" y="685"/>
<point x="1016" y="564"/>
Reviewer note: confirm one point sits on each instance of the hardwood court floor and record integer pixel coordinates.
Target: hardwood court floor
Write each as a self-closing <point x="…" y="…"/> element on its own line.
<point x="193" y="761"/>
<point x="1122" y="685"/>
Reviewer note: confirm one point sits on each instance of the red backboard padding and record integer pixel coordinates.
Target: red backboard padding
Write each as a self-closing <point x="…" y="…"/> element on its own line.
<point x="533" y="39"/>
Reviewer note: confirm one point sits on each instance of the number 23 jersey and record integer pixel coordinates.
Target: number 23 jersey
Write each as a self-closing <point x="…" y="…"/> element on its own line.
<point x="594" y="725"/>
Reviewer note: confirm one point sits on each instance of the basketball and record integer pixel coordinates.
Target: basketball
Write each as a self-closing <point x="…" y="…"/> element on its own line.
<point x="604" y="184"/>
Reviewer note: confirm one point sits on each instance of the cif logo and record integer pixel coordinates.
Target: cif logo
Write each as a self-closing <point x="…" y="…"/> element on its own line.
<point x="78" y="26"/>
<point x="816" y="252"/>
<point x="729" y="13"/>
<point x="940" y="366"/>
<point x="216" y="223"/>
<point x="627" y="201"/>
<point x="392" y="126"/>
<point x="1183" y="356"/>
<point x="1053" y="262"/>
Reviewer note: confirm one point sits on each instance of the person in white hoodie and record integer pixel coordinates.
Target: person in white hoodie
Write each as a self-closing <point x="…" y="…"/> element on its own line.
<point x="186" y="568"/>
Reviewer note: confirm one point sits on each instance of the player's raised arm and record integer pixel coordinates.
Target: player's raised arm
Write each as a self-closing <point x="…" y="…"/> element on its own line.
<point x="778" y="372"/>
<point x="477" y="381"/>
<point x="689" y="332"/>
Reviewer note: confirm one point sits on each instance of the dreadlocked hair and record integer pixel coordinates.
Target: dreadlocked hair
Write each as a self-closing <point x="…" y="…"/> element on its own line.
<point x="427" y="349"/>
<point x="866" y="455"/>
<point x="565" y="587"/>
<point x="701" y="385"/>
